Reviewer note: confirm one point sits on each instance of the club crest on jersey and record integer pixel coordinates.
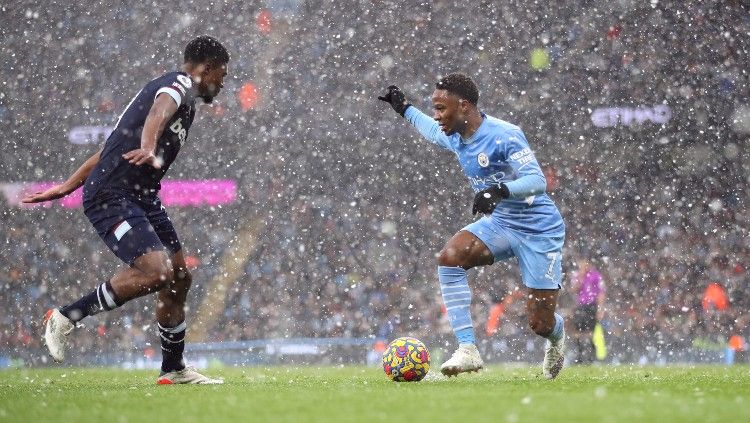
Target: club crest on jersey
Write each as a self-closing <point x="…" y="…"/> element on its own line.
<point x="184" y="80"/>
<point x="483" y="160"/>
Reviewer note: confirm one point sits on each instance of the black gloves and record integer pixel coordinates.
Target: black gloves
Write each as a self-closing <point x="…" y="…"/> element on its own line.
<point x="396" y="98"/>
<point x="486" y="199"/>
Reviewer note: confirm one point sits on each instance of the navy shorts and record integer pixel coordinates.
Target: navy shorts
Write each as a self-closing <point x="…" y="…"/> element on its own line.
<point x="132" y="227"/>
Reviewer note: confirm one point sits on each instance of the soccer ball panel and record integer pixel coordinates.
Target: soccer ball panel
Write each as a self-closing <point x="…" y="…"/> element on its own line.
<point x="406" y="360"/>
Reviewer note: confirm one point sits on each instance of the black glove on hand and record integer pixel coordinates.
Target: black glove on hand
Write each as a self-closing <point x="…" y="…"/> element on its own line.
<point x="396" y="98"/>
<point x="486" y="199"/>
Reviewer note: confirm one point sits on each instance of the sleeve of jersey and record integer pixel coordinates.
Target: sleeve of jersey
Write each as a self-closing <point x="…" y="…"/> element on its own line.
<point x="428" y="127"/>
<point x="531" y="180"/>
<point x="176" y="90"/>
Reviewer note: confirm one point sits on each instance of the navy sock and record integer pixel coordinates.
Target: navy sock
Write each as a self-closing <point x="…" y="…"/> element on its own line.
<point x="103" y="298"/>
<point x="172" y="347"/>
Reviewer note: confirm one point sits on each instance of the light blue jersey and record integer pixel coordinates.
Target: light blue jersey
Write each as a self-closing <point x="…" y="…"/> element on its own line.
<point x="498" y="152"/>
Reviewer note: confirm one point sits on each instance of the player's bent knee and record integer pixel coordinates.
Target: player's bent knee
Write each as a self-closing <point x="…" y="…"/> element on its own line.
<point x="162" y="279"/>
<point x="451" y="257"/>
<point x="159" y="276"/>
<point x="157" y="269"/>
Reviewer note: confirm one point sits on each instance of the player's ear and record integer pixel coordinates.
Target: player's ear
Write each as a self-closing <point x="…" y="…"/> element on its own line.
<point x="203" y="68"/>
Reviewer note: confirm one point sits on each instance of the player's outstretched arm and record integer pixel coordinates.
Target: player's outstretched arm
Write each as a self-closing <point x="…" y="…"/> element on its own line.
<point x="74" y="181"/>
<point x="162" y="110"/>
<point x="427" y="126"/>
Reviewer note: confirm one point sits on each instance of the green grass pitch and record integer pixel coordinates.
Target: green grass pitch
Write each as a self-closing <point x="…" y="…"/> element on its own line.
<point x="349" y="394"/>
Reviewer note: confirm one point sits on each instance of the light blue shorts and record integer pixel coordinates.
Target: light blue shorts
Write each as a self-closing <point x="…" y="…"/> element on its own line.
<point x="539" y="255"/>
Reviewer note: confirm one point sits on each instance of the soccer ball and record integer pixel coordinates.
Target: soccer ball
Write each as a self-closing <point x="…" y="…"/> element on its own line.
<point x="406" y="360"/>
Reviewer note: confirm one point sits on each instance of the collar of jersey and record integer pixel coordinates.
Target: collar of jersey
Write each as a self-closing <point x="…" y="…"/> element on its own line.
<point x="475" y="135"/>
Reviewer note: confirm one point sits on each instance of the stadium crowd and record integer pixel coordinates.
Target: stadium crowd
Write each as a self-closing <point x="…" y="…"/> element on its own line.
<point x="354" y="205"/>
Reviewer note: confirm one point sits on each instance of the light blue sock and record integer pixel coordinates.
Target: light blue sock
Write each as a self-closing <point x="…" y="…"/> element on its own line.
<point x="557" y="332"/>
<point x="457" y="299"/>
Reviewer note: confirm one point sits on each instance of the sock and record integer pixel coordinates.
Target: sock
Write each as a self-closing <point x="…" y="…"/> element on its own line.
<point x="557" y="332"/>
<point x="172" y="347"/>
<point x="103" y="298"/>
<point x="457" y="298"/>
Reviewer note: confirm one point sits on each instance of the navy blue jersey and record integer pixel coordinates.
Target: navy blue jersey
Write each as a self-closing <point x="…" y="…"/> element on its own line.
<point x="113" y="175"/>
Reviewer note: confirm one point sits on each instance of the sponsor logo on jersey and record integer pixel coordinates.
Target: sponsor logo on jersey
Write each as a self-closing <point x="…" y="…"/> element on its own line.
<point x="483" y="160"/>
<point x="177" y="128"/>
<point x="524" y="156"/>
<point x="493" y="179"/>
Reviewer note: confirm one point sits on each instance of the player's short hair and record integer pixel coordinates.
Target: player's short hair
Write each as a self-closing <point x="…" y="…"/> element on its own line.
<point x="206" y="49"/>
<point x="460" y="85"/>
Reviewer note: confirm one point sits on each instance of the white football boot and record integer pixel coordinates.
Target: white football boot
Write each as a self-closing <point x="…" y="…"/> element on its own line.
<point x="56" y="330"/>
<point x="187" y="375"/>
<point x="554" y="357"/>
<point x="465" y="359"/>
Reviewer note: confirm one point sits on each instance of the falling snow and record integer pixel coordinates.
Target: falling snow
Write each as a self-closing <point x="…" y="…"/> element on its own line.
<point x="638" y="112"/>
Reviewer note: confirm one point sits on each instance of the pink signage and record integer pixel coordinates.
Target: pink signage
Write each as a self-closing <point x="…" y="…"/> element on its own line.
<point x="177" y="193"/>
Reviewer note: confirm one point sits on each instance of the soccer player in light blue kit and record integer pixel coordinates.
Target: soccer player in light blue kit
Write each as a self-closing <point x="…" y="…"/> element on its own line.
<point x="517" y="218"/>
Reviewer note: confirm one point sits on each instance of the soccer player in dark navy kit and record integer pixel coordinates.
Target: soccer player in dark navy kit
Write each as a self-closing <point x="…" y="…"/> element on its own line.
<point x="517" y="218"/>
<point x="120" y="197"/>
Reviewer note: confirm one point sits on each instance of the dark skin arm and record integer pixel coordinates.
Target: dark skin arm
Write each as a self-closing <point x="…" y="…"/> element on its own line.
<point x="162" y="110"/>
<point x="73" y="183"/>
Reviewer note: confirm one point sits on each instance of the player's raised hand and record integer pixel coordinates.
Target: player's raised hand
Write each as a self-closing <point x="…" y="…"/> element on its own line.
<point x="53" y="193"/>
<point x="143" y="156"/>
<point x="486" y="200"/>
<point x="395" y="97"/>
